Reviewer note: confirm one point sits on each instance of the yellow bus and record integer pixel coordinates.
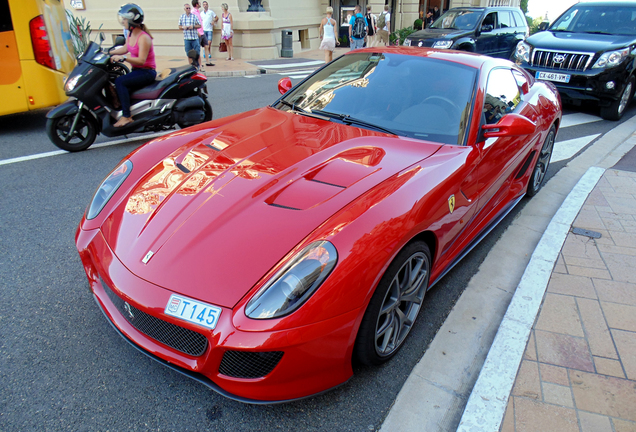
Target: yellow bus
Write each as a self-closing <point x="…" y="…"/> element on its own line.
<point x="36" y="54"/>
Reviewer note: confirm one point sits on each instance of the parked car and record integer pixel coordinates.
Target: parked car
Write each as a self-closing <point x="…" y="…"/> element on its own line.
<point x="261" y="253"/>
<point x="589" y="53"/>
<point x="494" y="31"/>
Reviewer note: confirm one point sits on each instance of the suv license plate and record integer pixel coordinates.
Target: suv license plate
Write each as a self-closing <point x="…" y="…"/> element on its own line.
<point x="549" y="76"/>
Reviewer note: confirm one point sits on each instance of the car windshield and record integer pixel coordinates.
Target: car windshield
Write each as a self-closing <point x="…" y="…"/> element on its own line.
<point x="598" y="19"/>
<point x="459" y="20"/>
<point x="405" y="95"/>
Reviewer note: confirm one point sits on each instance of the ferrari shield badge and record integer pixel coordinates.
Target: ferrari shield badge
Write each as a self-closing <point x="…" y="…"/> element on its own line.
<point x="451" y="203"/>
<point x="147" y="257"/>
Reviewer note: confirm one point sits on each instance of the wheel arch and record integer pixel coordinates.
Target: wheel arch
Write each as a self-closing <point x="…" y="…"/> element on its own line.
<point x="427" y="237"/>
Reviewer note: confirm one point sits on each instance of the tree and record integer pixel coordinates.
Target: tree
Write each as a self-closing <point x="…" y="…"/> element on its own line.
<point x="523" y="5"/>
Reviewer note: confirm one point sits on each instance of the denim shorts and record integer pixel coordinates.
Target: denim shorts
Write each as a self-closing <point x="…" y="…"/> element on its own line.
<point x="192" y="45"/>
<point x="208" y="35"/>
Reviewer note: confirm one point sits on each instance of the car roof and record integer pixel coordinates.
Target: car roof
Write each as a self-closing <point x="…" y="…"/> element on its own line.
<point x="490" y="8"/>
<point x="605" y="3"/>
<point x="461" y="57"/>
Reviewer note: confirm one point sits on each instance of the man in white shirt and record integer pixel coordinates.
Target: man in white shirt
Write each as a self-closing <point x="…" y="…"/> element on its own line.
<point x="209" y="18"/>
<point x="383" y="33"/>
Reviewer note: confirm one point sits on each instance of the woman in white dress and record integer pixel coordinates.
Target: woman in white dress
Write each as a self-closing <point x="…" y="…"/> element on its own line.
<point x="328" y="35"/>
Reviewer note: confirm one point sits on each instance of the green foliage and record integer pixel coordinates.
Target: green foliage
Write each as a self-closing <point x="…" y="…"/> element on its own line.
<point x="417" y="25"/>
<point x="344" y="41"/>
<point x="534" y="26"/>
<point x="397" y="37"/>
<point x="80" y="32"/>
<point x="523" y="5"/>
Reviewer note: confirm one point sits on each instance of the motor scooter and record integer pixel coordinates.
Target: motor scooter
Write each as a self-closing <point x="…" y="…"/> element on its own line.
<point x="177" y="97"/>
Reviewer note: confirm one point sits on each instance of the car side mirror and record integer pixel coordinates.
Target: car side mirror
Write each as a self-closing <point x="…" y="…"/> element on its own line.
<point x="487" y="28"/>
<point x="509" y="125"/>
<point x="543" y="26"/>
<point x="284" y="85"/>
<point x="120" y="41"/>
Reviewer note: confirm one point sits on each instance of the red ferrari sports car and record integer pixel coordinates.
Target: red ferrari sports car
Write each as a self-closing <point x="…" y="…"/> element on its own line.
<point x="264" y="252"/>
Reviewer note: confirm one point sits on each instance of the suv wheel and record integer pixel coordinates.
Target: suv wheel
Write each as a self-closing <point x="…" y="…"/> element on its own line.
<point x="617" y="108"/>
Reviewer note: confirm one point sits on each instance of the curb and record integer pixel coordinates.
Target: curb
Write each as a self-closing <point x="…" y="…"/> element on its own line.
<point x="488" y="400"/>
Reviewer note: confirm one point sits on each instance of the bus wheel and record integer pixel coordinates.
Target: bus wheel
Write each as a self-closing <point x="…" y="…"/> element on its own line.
<point x="84" y="135"/>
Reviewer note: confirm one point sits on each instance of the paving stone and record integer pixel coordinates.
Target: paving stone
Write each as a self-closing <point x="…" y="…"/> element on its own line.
<point x="618" y="316"/>
<point x="626" y="346"/>
<point x="596" y="198"/>
<point x="584" y="262"/>
<point x="598" y="336"/>
<point x="588" y="218"/>
<point x="578" y="246"/>
<point x="603" y="248"/>
<point x="559" y="314"/>
<point x="613" y="224"/>
<point x="531" y="351"/>
<point x="534" y="416"/>
<point x="563" y="350"/>
<point x="527" y="383"/>
<point x="594" y="422"/>
<point x="599" y="394"/>
<point x="508" y="424"/>
<point x="559" y="267"/>
<point x="589" y="272"/>
<point x="557" y="395"/>
<point x="622" y="185"/>
<point x="579" y="286"/>
<point x="624" y="425"/>
<point x="612" y="215"/>
<point x="615" y="292"/>
<point x="605" y="366"/>
<point x="621" y="267"/>
<point x="554" y="374"/>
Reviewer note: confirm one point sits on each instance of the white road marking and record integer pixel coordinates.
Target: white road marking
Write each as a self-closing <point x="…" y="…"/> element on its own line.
<point x="298" y="76"/>
<point x="566" y="149"/>
<point x="577" y="119"/>
<point x="297" y="72"/>
<point x="291" y="65"/>
<point x="60" y="152"/>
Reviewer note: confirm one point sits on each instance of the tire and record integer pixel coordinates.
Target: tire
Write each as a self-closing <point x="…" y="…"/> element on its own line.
<point x="85" y="132"/>
<point x="537" y="178"/>
<point x="617" y="108"/>
<point x="208" y="111"/>
<point x="394" y="306"/>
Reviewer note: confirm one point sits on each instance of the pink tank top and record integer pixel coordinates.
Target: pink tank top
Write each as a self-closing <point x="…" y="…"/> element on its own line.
<point x="134" y="51"/>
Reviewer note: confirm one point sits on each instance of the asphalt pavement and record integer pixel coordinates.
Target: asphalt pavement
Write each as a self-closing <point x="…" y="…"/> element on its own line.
<point x="62" y="367"/>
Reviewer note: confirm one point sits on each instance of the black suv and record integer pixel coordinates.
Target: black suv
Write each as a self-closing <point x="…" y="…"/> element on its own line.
<point x="589" y="54"/>
<point x="494" y="31"/>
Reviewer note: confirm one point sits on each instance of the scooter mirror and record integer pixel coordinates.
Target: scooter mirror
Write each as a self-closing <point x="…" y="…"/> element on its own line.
<point x="101" y="37"/>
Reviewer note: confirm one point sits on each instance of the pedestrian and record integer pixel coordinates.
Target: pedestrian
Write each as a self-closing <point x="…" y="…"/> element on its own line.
<point x="357" y="28"/>
<point x="209" y="19"/>
<point x="428" y="21"/>
<point x="141" y="57"/>
<point x="436" y="13"/>
<point x="202" y="40"/>
<point x="384" y="26"/>
<point x="371" y="20"/>
<point x="328" y="35"/>
<point x="189" y="23"/>
<point x="228" y="30"/>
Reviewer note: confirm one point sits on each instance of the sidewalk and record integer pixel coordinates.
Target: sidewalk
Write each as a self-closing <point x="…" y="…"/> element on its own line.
<point x="578" y="372"/>
<point x="239" y="67"/>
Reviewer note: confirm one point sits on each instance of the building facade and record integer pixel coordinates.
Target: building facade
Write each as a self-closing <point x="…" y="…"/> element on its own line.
<point x="257" y="34"/>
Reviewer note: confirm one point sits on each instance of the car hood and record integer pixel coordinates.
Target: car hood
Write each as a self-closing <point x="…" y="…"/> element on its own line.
<point x="582" y="42"/>
<point x="438" y="34"/>
<point x="222" y="210"/>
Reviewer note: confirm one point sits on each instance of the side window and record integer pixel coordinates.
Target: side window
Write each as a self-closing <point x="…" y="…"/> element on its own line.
<point x="490" y="21"/>
<point x="505" y="20"/>
<point x="521" y="22"/>
<point x="5" y="16"/>
<point x="502" y="95"/>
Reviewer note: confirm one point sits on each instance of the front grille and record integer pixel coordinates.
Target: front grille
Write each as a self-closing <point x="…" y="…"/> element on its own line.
<point x="174" y="336"/>
<point x="242" y="364"/>
<point x="569" y="61"/>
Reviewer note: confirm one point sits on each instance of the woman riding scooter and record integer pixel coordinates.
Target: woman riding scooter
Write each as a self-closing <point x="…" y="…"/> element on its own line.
<point x="142" y="58"/>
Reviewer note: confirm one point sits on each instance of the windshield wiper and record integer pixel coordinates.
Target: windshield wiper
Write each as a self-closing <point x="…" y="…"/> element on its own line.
<point x="347" y="119"/>
<point x="597" y="32"/>
<point x="293" y="106"/>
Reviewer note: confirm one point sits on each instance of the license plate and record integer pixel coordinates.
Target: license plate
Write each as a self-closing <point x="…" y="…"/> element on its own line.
<point x="193" y="311"/>
<point x="549" y="76"/>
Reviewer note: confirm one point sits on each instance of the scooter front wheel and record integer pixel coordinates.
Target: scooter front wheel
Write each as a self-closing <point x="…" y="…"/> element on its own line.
<point x="84" y="135"/>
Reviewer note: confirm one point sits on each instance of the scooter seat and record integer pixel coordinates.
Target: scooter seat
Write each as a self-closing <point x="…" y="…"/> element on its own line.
<point x="153" y="90"/>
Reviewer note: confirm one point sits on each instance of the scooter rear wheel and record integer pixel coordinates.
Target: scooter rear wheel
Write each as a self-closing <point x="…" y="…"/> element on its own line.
<point x="58" y="131"/>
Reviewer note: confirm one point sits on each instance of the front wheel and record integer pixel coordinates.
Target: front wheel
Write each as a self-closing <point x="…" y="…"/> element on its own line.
<point x="84" y="135"/>
<point x="207" y="108"/>
<point x="394" y="306"/>
<point x="543" y="162"/>
<point x="617" y="108"/>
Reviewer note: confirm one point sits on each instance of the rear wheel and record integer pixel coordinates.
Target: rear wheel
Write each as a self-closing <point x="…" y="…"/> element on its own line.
<point x="394" y="306"/>
<point x="84" y="135"/>
<point x="543" y="162"/>
<point x="617" y="108"/>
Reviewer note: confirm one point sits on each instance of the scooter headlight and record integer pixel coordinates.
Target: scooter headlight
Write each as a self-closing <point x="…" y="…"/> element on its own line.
<point x="71" y="83"/>
<point x="108" y="188"/>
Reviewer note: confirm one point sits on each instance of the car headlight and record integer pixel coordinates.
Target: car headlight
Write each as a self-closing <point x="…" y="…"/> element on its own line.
<point x="294" y="283"/>
<point x="407" y="42"/>
<point x="611" y="58"/>
<point x="108" y="187"/>
<point x="71" y="83"/>
<point x="523" y="51"/>
<point x="443" y="44"/>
